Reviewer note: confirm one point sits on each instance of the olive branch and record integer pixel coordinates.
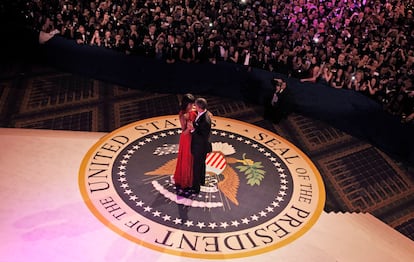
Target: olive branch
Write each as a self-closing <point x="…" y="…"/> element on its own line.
<point x="253" y="170"/>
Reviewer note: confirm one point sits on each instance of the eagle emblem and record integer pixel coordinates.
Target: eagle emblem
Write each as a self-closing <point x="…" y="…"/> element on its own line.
<point x="220" y="175"/>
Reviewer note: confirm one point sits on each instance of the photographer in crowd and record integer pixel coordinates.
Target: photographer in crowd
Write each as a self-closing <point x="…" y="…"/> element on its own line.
<point x="278" y="105"/>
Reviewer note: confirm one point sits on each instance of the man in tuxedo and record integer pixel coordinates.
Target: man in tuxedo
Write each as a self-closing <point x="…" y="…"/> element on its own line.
<point x="201" y="52"/>
<point x="81" y="36"/>
<point x="200" y="143"/>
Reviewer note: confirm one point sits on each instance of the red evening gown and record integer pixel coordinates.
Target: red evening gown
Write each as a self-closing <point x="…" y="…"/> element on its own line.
<point x="183" y="175"/>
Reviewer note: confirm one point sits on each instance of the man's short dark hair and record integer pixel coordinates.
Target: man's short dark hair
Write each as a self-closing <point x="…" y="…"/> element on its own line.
<point x="201" y="102"/>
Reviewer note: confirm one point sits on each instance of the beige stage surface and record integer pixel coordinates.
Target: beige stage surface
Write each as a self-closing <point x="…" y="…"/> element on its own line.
<point x="44" y="217"/>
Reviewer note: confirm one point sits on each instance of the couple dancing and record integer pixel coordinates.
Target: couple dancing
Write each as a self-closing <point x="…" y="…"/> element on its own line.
<point x="195" y="120"/>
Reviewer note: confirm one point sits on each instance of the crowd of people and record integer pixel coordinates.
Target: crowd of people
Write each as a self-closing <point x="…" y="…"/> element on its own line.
<point x="363" y="45"/>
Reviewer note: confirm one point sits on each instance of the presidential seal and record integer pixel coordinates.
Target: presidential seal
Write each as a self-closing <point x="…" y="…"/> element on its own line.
<point x="261" y="192"/>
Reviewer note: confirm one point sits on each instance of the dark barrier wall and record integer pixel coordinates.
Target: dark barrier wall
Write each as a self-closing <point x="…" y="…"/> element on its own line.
<point x="221" y="79"/>
<point x="347" y="110"/>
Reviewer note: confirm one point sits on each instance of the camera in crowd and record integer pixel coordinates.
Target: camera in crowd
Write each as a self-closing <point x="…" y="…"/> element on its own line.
<point x="276" y="82"/>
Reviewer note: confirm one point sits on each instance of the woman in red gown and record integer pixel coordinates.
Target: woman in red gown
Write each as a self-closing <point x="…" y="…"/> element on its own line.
<point x="183" y="175"/>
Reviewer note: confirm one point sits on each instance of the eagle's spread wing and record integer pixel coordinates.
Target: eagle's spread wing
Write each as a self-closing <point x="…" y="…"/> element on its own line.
<point x="230" y="184"/>
<point x="166" y="169"/>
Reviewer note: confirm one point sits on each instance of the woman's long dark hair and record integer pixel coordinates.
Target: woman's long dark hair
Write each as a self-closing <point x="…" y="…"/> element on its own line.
<point x="187" y="99"/>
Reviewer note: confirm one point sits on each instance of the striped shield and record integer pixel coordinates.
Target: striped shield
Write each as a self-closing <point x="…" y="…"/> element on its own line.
<point x="215" y="163"/>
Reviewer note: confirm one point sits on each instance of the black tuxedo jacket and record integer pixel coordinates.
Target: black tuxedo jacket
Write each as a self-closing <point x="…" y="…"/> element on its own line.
<point x="201" y="55"/>
<point x="85" y="37"/>
<point x="200" y="143"/>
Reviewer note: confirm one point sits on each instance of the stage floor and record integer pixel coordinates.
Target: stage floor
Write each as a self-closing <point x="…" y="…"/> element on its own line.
<point x="44" y="217"/>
